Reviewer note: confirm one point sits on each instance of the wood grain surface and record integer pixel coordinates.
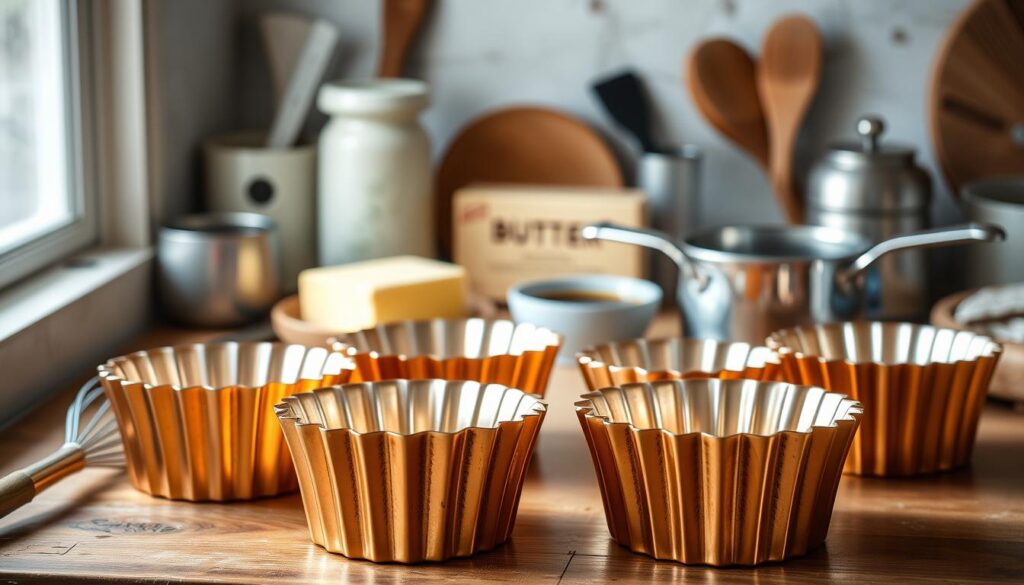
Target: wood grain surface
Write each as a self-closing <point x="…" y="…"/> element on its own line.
<point x="962" y="527"/>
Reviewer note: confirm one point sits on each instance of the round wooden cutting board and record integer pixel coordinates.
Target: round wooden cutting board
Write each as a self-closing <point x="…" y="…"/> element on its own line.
<point x="977" y="95"/>
<point x="524" y="145"/>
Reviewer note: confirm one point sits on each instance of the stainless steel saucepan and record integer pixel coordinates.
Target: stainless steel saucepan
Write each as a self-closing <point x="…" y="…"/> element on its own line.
<point x="743" y="282"/>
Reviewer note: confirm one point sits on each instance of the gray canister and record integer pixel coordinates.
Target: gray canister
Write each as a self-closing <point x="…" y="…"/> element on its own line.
<point x="878" y="191"/>
<point x="218" y="269"/>
<point x="671" y="180"/>
<point x="998" y="200"/>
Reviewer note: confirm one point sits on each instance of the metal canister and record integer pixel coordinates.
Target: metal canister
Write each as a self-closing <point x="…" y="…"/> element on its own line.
<point x="998" y="200"/>
<point x="219" y="269"/>
<point x="671" y="180"/>
<point x="878" y="191"/>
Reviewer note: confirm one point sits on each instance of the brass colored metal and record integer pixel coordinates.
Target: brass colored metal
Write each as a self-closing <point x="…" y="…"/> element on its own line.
<point x="674" y="358"/>
<point x="483" y="350"/>
<point x="198" y="421"/>
<point x="90" y="439"/>
<point x="411" y="470"/>
<point x="922" y="388"/>
<point x="718" y="472"/>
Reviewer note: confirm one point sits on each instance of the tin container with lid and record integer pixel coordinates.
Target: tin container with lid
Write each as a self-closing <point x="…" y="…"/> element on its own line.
<point x="877" y="190"/>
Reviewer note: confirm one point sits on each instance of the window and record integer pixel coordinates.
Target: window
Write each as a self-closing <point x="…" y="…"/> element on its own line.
<point x="45" y="212"/>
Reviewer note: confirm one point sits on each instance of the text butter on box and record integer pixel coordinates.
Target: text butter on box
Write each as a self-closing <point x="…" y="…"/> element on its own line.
<point x="508" y="234"/>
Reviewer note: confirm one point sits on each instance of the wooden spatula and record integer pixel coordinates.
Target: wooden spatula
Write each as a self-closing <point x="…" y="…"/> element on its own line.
<point x="788" y="75"/>
<point x="722" y="79"/>
<point x="402" y="20"/>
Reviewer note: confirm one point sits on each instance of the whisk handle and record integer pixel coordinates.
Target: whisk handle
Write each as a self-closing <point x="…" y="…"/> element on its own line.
<point x="16" y="490"/>
<point x="19" y="487"/>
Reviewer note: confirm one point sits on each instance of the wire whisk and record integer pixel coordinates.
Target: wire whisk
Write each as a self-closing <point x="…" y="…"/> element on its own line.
<point x="91" y="438"/>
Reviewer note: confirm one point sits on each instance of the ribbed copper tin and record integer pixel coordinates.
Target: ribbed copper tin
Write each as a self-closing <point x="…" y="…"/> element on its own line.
<point x="411" y="470"/>
<point x="483" y="350"/>
<point x="718" y="472"/>
<point x="674" y="358"/>
<point x="922" y="388"/>
<point x="197" y="421"/>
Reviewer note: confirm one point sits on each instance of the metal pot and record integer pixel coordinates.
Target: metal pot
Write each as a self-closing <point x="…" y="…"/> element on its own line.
<point x="743" y="282"/>
<point x="219" y="269"/>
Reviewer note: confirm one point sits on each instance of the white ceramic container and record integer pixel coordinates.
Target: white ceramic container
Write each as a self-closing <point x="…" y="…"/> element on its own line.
<point x="374" y="188"/>
<point x="243" y="175"/>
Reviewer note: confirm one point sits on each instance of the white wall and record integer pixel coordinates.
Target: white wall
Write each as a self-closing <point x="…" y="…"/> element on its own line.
<point x="481" y="54"/>
<point x="191" y="59"/>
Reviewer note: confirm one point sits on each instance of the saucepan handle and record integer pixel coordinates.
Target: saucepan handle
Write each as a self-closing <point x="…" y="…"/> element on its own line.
<point x="945" y="236"/>
<point x="643" y="237"/>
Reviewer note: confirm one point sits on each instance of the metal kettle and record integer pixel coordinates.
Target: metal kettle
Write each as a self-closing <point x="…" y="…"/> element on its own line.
<point x="878" y="191"/>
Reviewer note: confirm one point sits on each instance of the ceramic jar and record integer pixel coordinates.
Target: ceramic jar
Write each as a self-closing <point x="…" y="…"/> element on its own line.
<point x="374" y="183"/>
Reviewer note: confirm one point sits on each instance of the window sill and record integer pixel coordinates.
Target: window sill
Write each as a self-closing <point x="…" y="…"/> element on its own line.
<point x="67" y="318"/>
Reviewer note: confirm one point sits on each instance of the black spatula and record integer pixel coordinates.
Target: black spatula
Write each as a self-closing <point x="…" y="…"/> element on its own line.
<point x="625" y="99"/>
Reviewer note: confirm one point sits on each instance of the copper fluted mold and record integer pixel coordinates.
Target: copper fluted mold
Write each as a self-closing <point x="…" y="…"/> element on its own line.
<point x="718" y="472"/>
<point x="483" y="350"/>
<point x="922" y="388"/>
<point x="198" y="423"/>
<point x="674" y="358"/>
<point x="411" y="470"/>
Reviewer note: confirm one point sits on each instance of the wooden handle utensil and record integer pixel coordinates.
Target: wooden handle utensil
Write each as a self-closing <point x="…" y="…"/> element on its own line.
<point x="788" y="75"/>
<point x="722" y="79"/>
<point x="402" y="20"/>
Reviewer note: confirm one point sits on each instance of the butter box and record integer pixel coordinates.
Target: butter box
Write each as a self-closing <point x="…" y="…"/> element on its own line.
<point x="506" y="234"/>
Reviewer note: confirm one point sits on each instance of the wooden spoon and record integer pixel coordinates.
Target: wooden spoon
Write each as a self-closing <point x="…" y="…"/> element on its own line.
<point x="722" y="79"/>
<point x="787" y="79"/>
<point x="402" y="20"/>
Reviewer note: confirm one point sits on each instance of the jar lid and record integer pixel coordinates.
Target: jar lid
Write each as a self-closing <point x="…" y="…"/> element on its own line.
<point x="869" y="149"/>
<point x="372" y="96"/>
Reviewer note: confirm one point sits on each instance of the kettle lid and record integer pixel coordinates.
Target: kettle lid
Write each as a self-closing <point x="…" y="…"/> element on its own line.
<point x="870" y="148"/>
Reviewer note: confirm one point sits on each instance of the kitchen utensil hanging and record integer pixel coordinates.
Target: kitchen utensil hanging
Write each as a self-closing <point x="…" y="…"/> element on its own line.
<point x="788" y="75"/>
<point x="402" y="20"/>
<point x="722" y="79"/>
<point x="624" y="97"/>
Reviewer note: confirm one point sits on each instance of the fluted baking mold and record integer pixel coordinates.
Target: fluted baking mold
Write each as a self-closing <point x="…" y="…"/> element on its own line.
<point x="483" y="350"/>
<point x="197" y="421"/>
<point x="718" y="472"/>
<point x="674" y="358"/>
<point x="411" y="470"/>
<point x="922" y="388"/>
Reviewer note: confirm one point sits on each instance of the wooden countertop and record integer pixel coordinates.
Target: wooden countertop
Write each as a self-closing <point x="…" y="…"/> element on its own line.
<point x="962" y="527"/>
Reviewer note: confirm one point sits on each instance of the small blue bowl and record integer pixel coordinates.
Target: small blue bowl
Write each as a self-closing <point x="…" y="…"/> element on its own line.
<point x="586" y="309"/>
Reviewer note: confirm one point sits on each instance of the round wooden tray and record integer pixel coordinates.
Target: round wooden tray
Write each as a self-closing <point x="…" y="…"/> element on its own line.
<point x="523" y="145"/>
<point x="977" y="94"/>
<point x="1008" y="379"/>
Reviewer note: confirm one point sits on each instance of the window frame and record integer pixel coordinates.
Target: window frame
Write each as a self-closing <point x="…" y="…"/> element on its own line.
<point x="78" y="312"/>
<point x="83" y="231"/>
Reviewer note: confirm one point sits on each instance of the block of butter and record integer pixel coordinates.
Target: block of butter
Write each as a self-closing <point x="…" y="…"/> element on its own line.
<point x="505" y="234"/>
<point x="355" y="296"/>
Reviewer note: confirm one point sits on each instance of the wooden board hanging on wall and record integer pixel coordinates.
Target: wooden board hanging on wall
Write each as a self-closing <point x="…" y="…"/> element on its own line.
<point x="977" y="94"/>
<point x="522" y="145"/>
